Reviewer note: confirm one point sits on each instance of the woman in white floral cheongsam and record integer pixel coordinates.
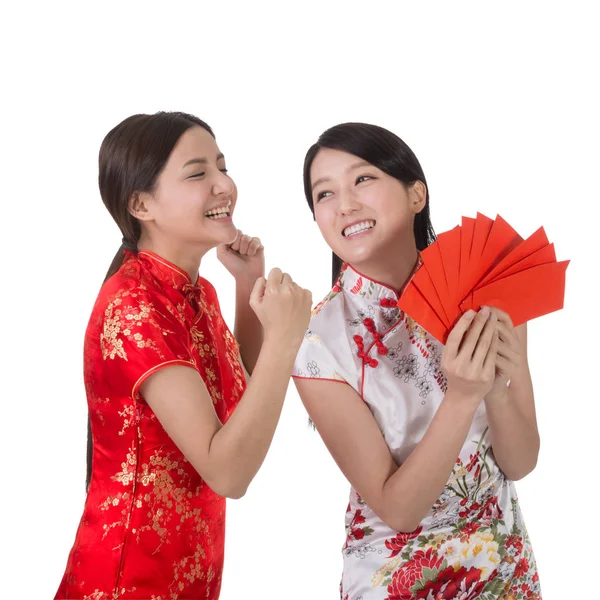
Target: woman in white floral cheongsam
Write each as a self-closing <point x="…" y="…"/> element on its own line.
<point x="429" y="437"/>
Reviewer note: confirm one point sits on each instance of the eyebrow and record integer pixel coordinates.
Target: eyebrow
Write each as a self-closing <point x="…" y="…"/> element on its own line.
<point x="200" y="161"/>
<point x="362" y="163"/>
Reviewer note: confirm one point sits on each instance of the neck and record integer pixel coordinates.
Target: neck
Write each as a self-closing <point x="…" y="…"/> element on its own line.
<point x="393" y="269"/>
<point x="186" y="259"/>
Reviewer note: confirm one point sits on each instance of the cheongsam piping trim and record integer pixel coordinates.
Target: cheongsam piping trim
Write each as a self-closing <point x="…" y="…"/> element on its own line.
<point x="320" y="379"/>
<point x="385" y="285"/>
<point x="168" y="264"/>
<point x="168" y="363"/>
<point x="362" y="380"/>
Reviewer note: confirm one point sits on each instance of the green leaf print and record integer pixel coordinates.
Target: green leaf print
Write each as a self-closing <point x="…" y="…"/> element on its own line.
<point x="419" y="585"/>
<point x="494" y="587"/>
<point x="386" y="582"/>
<point x="482" y="438"/>
<point x="368" y="530"/>
<point x="422" y="540"/>
<point x="429" y="574"/>
<point x="406" y="555"/>
<point x="459" y="494"/>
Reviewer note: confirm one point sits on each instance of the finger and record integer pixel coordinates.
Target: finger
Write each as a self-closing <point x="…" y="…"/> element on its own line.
<point x="235" y="245"/>
<point x="458" y="331"/>
<point x="507" y="334"/>
<point x="504" y="365"/>
<point x="503" y="317"/>
<point x="274" y="280"/>
<point x="471" y="339"/>
<point x="255" y="246"/>
<point x="489" y="364"/>
<point x="244" y="243"/>
<point x="487" y="336"/>
<point x="507" y="352"/>
<point x="286" y="279"/>
<point x="258" y="291"/>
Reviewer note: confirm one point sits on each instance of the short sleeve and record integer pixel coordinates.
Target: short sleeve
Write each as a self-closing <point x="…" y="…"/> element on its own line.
<point x="140" y="333"/>
<point x="316" y="361"/>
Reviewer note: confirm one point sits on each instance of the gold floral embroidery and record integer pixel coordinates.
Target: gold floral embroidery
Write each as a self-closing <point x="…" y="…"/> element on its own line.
<point x="128" y="417"/>
<point x="122" y="322"/>
<point x="127" y="475"/>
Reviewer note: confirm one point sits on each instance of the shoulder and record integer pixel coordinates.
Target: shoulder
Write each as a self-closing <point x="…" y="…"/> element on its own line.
<point x="207" y="286"/>
<point x="133" y="295"/>
<point x="325" y="352"/>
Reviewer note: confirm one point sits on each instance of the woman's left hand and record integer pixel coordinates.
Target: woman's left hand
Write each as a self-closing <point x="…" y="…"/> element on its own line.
<point x="509" y="356"/>
<point x="244" y="258"/>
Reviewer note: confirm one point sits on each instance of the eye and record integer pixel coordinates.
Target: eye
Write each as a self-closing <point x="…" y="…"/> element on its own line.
<point x="363" y="178"/>
<point x="322" y="195"/>
<point x="224" y="171"/>
<point x="197" y="175"/>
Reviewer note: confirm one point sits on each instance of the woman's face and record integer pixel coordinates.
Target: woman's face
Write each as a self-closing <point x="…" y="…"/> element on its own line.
<point x="362" y="212"/>
<point x="194" y="197"/>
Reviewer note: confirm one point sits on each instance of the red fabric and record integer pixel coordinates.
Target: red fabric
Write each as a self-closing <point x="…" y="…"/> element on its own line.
<point x="151" y="527"/>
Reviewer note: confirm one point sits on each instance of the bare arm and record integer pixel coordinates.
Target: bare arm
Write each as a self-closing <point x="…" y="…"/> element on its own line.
<point x="248" y="330"/>
<point x="511" y="411"/>
<point x="228" y="456"/>
<point x="402" y="495"/>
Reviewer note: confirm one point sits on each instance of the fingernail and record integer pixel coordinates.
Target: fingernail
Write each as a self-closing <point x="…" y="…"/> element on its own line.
<point x="485" y="311"/>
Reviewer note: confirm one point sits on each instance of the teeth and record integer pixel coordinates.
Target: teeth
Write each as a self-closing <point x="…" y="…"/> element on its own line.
<point x="354" y="229"/>
<point x="218" y="213"/>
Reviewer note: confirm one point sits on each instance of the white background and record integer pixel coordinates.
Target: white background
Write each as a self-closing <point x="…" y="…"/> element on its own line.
<point x="499" y="103"/>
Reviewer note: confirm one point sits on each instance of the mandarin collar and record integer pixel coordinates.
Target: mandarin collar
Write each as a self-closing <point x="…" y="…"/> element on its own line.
<point x="356" y="283"/>
<point x="166" y="272"/>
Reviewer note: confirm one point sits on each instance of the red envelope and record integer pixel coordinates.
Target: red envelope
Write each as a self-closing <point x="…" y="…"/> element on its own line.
<point x="422" y="281"/>
<point x="416" y="306"/>
<point x="527" y="294"/>
<point x="466" y="241"/>
<point x="484" y="262"/>
<point x="432" y="262"/>
<point x="532" y="244"/>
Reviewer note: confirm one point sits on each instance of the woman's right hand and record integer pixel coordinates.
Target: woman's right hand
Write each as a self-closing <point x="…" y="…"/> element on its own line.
<point x="469" y="359"/>
<point x="282" y="307"/>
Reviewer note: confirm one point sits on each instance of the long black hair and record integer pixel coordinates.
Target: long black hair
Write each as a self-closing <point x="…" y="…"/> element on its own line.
<point x="384" y="150"/>
<point x="132" y="156"/>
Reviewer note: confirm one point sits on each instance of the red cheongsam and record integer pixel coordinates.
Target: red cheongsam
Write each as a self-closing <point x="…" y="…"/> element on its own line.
<point x="151" y="527"/>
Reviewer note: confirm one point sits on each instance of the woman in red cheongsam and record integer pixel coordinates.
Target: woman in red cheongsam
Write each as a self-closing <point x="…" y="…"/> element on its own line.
<point x="174" y="429"/>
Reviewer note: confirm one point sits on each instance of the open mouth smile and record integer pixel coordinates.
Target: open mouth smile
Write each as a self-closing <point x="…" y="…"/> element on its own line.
<point x="221" y="212"/>
<point x="358" y="228"/>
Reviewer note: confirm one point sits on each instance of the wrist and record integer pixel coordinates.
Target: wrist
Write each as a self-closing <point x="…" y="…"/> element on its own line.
<point x="244" y="284"/>
<point x="498" y="395"/>
<point x="467" y="401"/>
<point x="279" y="347"/>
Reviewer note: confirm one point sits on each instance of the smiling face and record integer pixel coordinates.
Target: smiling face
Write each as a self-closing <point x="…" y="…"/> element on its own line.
<point x="194" y="197"/>
<point x="365" y="215"/>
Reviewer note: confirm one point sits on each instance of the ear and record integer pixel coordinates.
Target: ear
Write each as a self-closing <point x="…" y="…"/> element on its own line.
<point x="418" y="196"/>
<point x="140" y="205"/>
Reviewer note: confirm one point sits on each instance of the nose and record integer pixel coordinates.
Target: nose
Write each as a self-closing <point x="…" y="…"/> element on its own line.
<point x="348" y="202"/>
<point x="222" y="184"/>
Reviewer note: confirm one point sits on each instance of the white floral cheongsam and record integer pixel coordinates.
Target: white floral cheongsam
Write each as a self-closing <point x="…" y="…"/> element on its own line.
<point x="473" y="542"/>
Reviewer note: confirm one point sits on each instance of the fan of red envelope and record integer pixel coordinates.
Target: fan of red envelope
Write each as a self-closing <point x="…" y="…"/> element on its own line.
<point x="484" y="262"/>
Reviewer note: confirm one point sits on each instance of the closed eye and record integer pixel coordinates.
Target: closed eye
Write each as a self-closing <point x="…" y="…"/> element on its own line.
<point x="197" y="175"/>
<point x="363" y="178"/>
